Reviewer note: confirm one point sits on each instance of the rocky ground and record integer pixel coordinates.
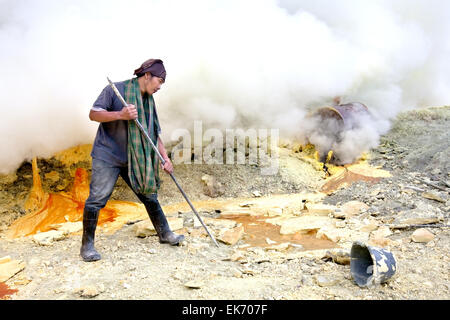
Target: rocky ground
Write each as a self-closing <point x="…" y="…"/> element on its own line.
<point x="415" y="152"/>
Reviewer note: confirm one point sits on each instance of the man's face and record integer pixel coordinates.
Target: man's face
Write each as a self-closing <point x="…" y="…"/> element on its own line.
<point x="152" y="84"/>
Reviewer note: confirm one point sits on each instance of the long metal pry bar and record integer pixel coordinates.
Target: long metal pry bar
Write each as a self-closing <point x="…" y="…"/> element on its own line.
<point x="141" y="128"/>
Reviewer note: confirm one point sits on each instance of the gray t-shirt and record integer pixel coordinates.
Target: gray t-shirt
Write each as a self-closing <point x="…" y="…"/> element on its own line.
<point x="110" y="144"/>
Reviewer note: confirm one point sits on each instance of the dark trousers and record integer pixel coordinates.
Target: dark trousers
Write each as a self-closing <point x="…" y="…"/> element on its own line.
<point x="103" y="180"/>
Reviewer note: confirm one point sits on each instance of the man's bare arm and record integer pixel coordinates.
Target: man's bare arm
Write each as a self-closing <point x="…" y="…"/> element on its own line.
<point x="162" y="150"/>
<point x="128" y="113"/>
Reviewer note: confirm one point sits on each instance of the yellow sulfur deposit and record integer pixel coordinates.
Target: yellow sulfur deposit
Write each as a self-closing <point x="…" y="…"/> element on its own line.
<point x="310" y="151"/>
<point x="49" y="209"/>
<point x="37" y="195"/>
<point x="349" y="174"/>
<point x="339" y="176"/>
<point x="74" y="155"/>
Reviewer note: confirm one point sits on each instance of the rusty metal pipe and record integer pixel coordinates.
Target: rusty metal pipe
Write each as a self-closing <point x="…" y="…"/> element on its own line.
<point x="348" y="114"/>
<point x="335" y="120"/>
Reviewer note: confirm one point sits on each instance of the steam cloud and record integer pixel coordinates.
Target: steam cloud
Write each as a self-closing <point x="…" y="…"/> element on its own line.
<point x="231" y="64"/>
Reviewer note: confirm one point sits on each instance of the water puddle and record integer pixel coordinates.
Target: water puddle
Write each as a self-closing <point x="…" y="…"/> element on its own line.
<point x="257" y="231"/>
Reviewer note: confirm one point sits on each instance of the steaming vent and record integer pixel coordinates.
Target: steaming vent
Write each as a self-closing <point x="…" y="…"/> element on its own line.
<point x="333" y="127"/>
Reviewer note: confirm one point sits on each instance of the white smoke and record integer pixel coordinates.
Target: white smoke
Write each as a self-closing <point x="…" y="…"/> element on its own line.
<point x="347" y="137"/>
<point x="230" y="64"/>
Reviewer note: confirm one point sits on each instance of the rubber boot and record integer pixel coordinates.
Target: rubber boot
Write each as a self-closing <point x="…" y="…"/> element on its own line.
<point x="87" y="251"/>
<point x="162" y="228"/>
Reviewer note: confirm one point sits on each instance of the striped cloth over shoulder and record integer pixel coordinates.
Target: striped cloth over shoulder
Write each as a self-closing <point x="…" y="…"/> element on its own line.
<point x="143" y="162"/>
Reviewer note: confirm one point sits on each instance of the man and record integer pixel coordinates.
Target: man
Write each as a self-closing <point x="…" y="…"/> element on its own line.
<point x="119" y="149"/>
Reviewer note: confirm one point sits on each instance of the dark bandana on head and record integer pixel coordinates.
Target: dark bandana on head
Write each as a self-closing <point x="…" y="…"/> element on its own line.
<point x="154" y="66"/>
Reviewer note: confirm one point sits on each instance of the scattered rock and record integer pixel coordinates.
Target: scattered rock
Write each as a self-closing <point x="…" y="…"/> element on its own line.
<point x="131" y="222"/>
<point x="22" y="281"/>
<point x="231" y="236"/>
<point x="338" y="256"/>
<point x="382" y="242"/>
<point x="90" y="291"/>
<point x="236" y="273"/>
<point x="325" y="281"/>
<point x="382" y="232"/>
<point x="302" y="224"/>
<point x="350" y="209"/>
<point x="175" y="223"/>
<point x="213" y="188"/>
<point x="341" y="235"/>
<point x="249" y="271"/>
<point x="9" y="268"/>
<point x="68" y="227"/>
<point x="231" y="213"/>
<point x="215" y="223"/>
<point x="273" y="212"/>
<point x="197" y="232"/>
<point x="236" y="256"/>
<point x="145" y="228"/>
<point x="369" y="227"/>
<point x="261" y="259"/>
<point x="432" y="196"/>
<point x="309" y="254"/>
<point x="331" y="233"/>
<point x="431" y="244"/>
<point x="256" y="194"/>
<point x="306" y="280"/>
<point x="296" y="246"/>
<point x="340" y="224"/>
<point x="319" y="208"/>
<point x="246" y="204"/>
<point x="423" y="214"/>
<point x="405" y="240"/>
<point x="183" y="243"/>
<point x="47" y="238"/>
<point x="422" y="235"/>
<point x="279" y="247"/>
<point x="194" y="284"/>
